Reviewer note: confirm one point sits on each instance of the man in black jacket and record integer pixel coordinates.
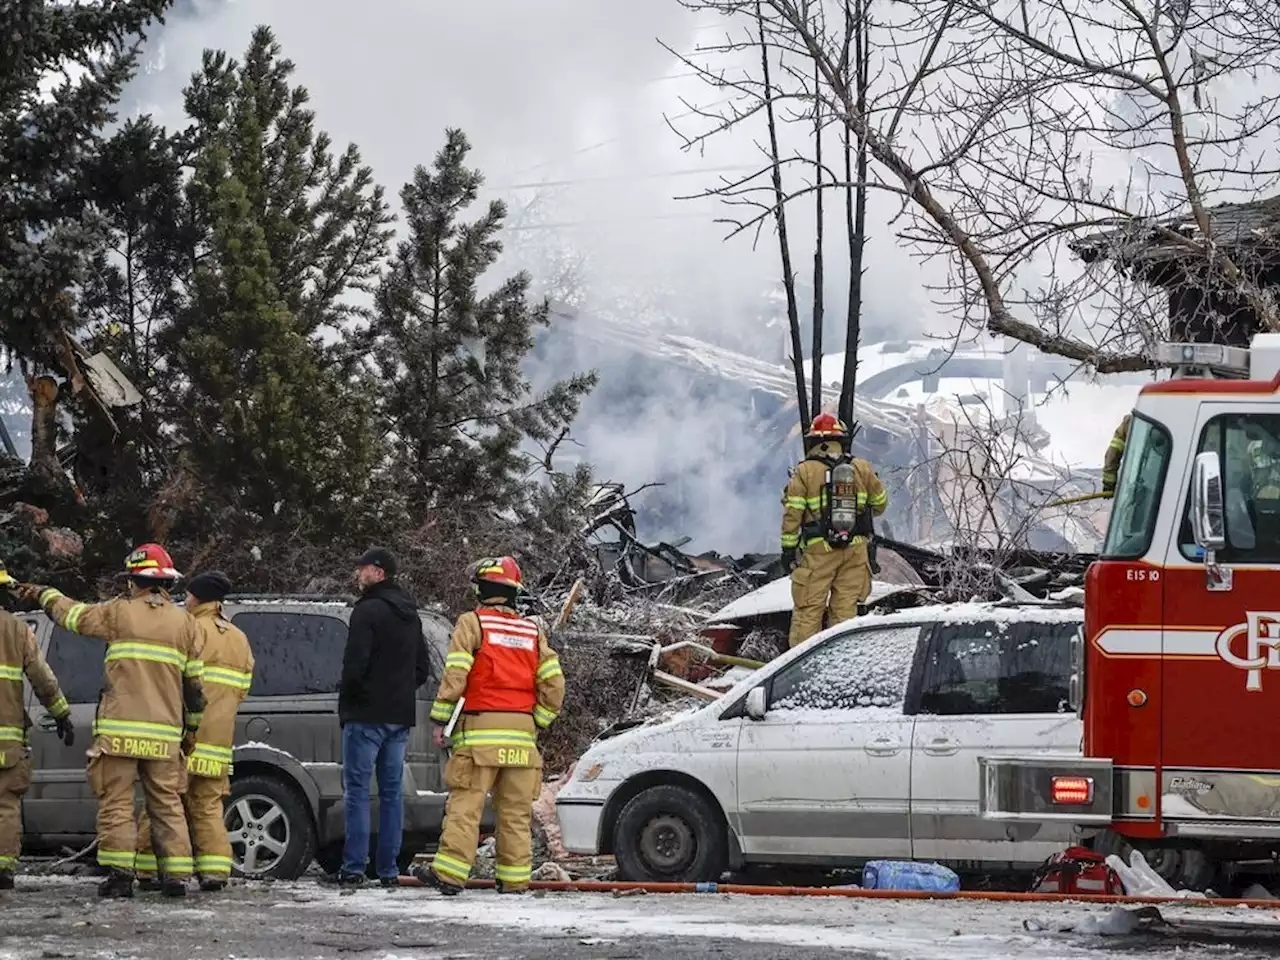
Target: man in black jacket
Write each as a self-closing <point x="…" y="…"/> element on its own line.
<point x="384" y="664"/>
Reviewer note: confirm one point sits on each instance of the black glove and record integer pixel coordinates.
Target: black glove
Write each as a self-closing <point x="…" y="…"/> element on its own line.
<point x="789" y="558"/>
<point x="66" y="729"/>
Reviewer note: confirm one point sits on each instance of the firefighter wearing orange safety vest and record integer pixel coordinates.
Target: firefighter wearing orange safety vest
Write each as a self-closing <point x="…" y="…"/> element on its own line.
<point x="228" y="675"/>
<point x="827" y="514"/>
<point x="505" y="682"/>
<point x="151" y="696"/>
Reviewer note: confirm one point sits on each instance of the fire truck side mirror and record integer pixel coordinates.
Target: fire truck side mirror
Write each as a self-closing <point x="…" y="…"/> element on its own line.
<point x="1208" y="516"/>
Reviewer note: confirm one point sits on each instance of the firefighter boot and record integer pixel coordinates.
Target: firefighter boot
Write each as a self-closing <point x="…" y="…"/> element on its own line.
<point x="6" y="879"/>
<point x="150" y="885"/>
<point x="117" y="886"/>
<point x="429" y="879"/>
<point x="212" y="884"/>
<point x="173" y="887"/>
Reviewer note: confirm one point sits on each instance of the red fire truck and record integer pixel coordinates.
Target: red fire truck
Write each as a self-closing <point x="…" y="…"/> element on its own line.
<point x="1177" y="674"/>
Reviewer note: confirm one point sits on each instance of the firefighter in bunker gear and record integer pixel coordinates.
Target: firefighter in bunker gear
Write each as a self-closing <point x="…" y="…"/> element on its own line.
<point x="827" y="514"/>
<point x="20" y="657"/>
<point x="152" y="693"/>
<point x="503" y="670"/>
<point x="228" y="674"/>
<point x="1115" y="453"/>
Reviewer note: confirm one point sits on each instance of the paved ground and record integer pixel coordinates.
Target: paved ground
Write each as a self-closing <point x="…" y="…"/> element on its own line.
<point x="61" y="919"/>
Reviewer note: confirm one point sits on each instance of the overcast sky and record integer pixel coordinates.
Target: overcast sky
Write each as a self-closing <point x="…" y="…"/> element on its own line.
<point x="548" y="91"/>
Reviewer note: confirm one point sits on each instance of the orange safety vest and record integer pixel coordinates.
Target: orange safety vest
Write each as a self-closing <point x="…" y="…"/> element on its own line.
<point x="503" y="678"/>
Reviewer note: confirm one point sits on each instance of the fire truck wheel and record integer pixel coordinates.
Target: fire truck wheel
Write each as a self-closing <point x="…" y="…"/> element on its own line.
<point x="1183" y="868"/>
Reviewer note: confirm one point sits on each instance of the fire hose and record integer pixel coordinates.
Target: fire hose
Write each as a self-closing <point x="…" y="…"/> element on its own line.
<point x="622" y="888"/>
<point x="1084" y="498"/>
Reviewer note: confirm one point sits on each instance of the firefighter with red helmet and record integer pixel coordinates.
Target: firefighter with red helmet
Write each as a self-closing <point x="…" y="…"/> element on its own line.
<point x="505" y="683"/>
<point x="152" y="696"/>
<point x="827" y="521"/>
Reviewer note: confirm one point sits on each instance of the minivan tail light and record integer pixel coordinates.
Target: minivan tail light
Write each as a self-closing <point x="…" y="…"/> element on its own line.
<point x="1073" y="790"/>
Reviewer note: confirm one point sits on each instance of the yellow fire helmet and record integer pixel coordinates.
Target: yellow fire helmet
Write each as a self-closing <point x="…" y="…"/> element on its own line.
<point x="5" y="579"/>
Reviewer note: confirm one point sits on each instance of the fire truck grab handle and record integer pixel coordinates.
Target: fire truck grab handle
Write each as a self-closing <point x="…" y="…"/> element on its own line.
<point x="1208" y="519"/>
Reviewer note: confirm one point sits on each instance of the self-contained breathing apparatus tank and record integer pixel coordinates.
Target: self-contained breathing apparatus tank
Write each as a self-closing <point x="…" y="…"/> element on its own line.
<point x="842" y="516"/>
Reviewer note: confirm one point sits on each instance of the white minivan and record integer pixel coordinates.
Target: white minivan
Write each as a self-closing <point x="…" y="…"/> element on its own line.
<point x="862" y="743"/>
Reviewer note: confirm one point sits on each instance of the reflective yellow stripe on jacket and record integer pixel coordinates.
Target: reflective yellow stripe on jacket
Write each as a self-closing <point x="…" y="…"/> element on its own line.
<point x="137" y="728"/>
<point x="494" y="738"/>
<point x="13" y="734"/>
<point x="236" y="679"/>
<point x="149" y="652"/>
<point x="442" y="710"/>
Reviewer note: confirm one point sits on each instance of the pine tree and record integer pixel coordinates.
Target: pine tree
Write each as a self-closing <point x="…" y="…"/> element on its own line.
<point x="48" y="232"/>
<point x="237" y="245"/>
<point x="264" y="424"/>
<point x="460" y="424"/>
<point x="324" y="220"/>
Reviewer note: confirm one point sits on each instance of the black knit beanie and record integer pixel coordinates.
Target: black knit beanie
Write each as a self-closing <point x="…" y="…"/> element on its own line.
<point x="208" y="587"/>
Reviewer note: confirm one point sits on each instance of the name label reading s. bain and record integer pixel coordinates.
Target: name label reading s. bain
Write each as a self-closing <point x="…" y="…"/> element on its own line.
<point x="1261" y="635"/>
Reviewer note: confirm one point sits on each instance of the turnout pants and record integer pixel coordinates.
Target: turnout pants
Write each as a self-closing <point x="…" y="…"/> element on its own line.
<point x="112" y="780"/>
<point x="514" y="790"/>
<point x="829" y="579"/>
<point x="14" y="782"/>
<point x="202" y="805"/>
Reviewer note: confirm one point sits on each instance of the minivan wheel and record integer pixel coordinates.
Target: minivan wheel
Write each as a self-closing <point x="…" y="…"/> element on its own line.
<point x="270" y="829"/>
<point x="669" y="834"/>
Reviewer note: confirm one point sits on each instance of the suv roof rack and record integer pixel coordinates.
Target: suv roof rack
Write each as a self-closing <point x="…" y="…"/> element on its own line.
<point x="294" y="597"/>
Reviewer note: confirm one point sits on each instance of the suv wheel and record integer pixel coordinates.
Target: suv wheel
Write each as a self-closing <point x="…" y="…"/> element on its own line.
<point x="270" y="829"/>
<point x="669" y="834"/>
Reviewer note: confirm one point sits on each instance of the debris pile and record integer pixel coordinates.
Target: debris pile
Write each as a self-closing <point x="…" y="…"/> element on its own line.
<point x="658" y="631"/>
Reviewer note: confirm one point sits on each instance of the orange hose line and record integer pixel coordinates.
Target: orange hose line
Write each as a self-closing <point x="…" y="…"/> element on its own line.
<point x="610" y="886"/>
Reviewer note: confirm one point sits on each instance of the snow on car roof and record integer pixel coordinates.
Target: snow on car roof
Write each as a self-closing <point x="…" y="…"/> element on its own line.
<point x="775" y="597"/>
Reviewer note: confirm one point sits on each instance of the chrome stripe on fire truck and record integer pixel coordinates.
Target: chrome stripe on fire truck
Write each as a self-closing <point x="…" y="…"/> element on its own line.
<point x="1223" y="795"/>
<point x="1158" y="641"/>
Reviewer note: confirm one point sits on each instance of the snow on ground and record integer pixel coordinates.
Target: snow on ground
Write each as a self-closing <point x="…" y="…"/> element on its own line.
<point x="910" y="930"/>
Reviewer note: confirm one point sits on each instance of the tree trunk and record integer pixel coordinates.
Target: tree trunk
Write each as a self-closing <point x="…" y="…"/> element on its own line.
<point x="44" y="429"/>
<point x="784" y="245"/>
<point x="856" y="216"/>
<point x="818" y="311"/>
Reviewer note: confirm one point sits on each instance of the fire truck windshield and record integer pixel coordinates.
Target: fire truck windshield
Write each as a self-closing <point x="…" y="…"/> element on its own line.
<point x="1138" y="489"/>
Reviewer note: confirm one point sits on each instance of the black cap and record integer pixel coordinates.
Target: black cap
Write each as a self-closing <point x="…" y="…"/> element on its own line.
<point x="381" y="558"/>
<point x="208" y="587"/>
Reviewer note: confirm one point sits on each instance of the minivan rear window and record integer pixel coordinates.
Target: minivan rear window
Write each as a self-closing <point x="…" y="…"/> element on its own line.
<point x="77" y="663"/>
<point x="295" y="654"/>
<point x="994" y="667"/>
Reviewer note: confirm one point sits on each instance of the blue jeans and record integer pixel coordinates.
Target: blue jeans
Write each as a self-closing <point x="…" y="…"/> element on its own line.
<point x="366" y="747"/>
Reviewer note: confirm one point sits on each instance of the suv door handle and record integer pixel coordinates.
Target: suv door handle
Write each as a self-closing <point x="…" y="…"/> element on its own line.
<point x="941" y="747"/>
<point x="883" y="747"/>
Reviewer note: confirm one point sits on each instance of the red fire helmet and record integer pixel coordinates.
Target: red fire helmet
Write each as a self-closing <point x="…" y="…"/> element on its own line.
<point x="151" y="562"/>
<point x="503" y="570"/>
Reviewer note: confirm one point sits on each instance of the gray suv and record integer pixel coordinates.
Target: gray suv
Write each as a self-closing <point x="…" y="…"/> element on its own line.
<point x="285" y="808"/>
